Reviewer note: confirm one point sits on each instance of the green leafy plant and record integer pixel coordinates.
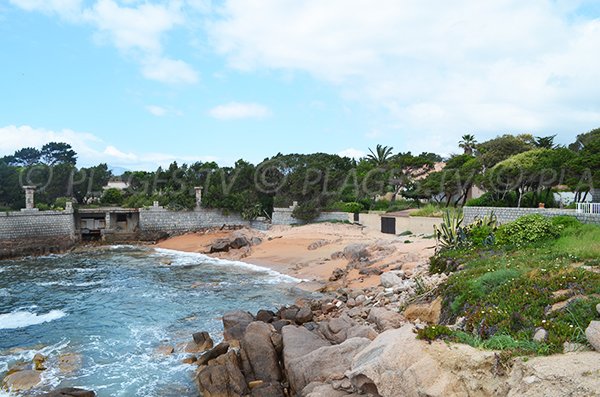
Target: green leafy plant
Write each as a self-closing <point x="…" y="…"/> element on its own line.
<point x="450" y="233"/>
<point x="526" y="230"/>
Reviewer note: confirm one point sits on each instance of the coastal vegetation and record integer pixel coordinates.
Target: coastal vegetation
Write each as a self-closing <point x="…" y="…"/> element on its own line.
<point x="513" y="170"/>
<point x="528" y="287"/>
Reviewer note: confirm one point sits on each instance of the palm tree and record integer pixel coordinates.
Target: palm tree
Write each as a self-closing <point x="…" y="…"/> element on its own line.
<point x="381" y="154"/>
<point x="467" y="143"/>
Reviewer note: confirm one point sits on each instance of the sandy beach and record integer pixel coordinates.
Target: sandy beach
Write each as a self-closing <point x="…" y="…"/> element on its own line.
<point x="313" y="252"/>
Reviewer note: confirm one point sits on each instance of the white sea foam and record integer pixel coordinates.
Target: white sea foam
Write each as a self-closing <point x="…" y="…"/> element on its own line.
<point x="22" y="319"/>
<point x="4" y="292"/>
<point x="68" y="284"/>
<point x="182" y="259"/>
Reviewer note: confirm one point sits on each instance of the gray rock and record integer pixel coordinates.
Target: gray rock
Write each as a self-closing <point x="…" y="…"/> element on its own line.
<point x="213" y="353"/>
<point x="203" y="341"/>
<point x="356" y="252"/>
<point x="324" y="364"/>
<point x="222" y="377"/>
<point x="304" y="315"/>
<point x="266" y="316"/>
<point x="540" y="335"/>
<point x="70" y="392"/>
<point x="390" y="279"/>
<point x="592" y="333"/>
<point x="235" y="323"/>
<point x="385" y="319"/>
<point x="336" y="329"/>
<point x="258" y="354"/>
<point x="288" y="313"/>
<point x="279" y="324"/>
<point x="298" y="341"/>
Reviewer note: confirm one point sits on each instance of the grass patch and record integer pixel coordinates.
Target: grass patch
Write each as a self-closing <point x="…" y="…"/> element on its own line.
<point x="582" y="242"/>
<point x="434" y="211"/>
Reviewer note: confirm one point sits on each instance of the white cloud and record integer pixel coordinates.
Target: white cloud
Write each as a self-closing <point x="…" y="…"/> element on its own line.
<point x="170" y="71"/>
<point x="436" y="67"/>
<point x="157" y="110"/>
<point x="131" y="28"/>
<point x="112" y="151"/>
<point x="237" y="110"/>
<point x="136" y="29"/>
<point x="90" y="149"/>
<point x="65" y="8"/>
<point x="352" y="153"/>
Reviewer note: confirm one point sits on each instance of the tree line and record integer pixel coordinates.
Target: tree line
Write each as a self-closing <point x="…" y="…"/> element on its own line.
<point x="514" y="170"/>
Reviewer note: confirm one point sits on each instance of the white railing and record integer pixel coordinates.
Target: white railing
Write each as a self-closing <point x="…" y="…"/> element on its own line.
<point x="588" y="208"/>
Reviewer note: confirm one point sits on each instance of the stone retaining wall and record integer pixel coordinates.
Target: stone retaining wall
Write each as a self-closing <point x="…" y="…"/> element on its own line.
<point x="156" y="221"/>
<point x="506" y="214"/>
<point x="32" y="232"/>
<point x="283" y="216"/>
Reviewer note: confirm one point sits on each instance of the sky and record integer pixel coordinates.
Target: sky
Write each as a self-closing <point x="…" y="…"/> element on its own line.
<point x="138" y="84"/>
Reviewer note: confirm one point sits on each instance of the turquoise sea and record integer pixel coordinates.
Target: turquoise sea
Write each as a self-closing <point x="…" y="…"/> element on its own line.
<point x="114" y="306"/>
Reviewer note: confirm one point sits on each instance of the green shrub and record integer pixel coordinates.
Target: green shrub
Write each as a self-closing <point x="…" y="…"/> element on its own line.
<point x="566" y="222"/>
<point x="61" y="203"/>
<point x="112" y="196"/>
<point x="352" y="207"/>
<point x="434" y="332"/>
<point x="306" y="212"/>
<point x="481" y="236"/>
<point x="42" y="206"/>
<point x="527" y="230"/>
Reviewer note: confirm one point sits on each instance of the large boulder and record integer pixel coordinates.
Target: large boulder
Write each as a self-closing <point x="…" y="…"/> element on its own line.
<point x="222" y="377"/>
<point x="385" y="319"/>
<point x="235" y="323"/>
<point x="70" y="392"/>
<point x="397" y="364"/>
<point x="561" y="375"/>
<point x="337" y="330"/>
<point x="299" y="341"/>
<point x="356" y="252"/>
<point x="22" y="380"/>
<point x="592" y="333"/>
<point x="324" y="364"/>
<point x="259" y="356"/>
<point x="220" y="245"/>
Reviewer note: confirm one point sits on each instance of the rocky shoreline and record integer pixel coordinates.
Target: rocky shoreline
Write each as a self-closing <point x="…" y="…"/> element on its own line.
<point x="323" y="348"/>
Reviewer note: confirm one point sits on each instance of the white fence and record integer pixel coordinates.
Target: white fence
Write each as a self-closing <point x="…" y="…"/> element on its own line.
<point x="588" y="208"/>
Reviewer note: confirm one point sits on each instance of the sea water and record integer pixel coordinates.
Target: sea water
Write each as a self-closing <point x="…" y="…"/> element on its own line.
<point x="114" y="306"/>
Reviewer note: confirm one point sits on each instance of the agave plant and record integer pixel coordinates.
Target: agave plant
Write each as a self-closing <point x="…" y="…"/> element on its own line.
<point x="490" y="220"/>
<point x="451" y="233"/>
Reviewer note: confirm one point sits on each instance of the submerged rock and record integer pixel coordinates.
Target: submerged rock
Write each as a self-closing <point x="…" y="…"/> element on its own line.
<point x="22" y="380"/>
<point x="70" y="392"/>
